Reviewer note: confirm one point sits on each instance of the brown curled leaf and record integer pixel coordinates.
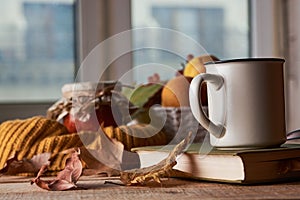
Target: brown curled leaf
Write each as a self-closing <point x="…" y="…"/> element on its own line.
<point x="66" y="179"/>
<point x="73" y="168"/>
<point x="15" y="166"/>
<point x="155" y="172"/>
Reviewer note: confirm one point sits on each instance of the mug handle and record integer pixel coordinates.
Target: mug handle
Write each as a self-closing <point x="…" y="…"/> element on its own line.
<point x="217" y="81"/>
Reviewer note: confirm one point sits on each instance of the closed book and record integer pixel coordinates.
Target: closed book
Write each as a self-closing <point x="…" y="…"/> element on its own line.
<point x="234" y="166"/>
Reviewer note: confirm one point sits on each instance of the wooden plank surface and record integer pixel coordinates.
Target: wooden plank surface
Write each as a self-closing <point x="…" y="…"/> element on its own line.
<point x="95" y="188"/>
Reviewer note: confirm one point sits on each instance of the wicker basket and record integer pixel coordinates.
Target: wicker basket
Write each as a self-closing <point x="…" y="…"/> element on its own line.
<point x="179" y="122"/>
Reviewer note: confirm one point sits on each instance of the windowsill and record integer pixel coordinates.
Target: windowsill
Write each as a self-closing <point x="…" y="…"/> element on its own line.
<point x="12" y="110"/>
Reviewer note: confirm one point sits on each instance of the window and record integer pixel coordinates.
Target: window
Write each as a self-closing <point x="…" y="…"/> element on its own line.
<point x="292" y="44"/>
<point x="220" y="27"/>
<point x="37" y="56"/>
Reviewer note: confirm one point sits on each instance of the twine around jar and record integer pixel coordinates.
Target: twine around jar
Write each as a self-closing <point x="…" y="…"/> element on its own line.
<point x="81" y="102"/>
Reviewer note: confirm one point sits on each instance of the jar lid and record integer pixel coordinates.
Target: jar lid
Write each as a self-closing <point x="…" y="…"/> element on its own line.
<point x="85" y="88"/>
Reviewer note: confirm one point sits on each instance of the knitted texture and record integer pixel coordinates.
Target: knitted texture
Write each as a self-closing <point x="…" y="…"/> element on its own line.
<point x="137" y="135"/>
<point x="23" y="139"/>
<point x="33" y="136"/>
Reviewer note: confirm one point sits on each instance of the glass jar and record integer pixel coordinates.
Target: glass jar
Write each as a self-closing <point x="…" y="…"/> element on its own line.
<point x="87" y="106"/>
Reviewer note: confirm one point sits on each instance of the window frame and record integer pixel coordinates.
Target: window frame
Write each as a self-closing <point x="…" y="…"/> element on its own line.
<point x="267" y="26"/>
<point x="89" y="34"/>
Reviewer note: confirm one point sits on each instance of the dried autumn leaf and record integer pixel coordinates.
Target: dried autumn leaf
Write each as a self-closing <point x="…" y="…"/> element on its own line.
<point x="94" y="166"/>
<point x="73" y="168"/>
<point x="155" y="172"/>
<point x="15" y="166"/>
<point x="66" y="179"/>
<point x="101" y="152"/>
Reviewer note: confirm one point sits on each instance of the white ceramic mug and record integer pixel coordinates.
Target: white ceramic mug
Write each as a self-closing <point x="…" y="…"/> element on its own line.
<point x="246" y="106"/>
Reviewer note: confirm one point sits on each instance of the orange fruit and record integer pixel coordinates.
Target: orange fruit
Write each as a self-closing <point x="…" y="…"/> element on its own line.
<point x="195" y="66"/>
<point x="175" y="93"/>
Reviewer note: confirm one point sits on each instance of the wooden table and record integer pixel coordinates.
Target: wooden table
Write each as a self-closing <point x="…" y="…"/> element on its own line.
<point x="20" y="188"/>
